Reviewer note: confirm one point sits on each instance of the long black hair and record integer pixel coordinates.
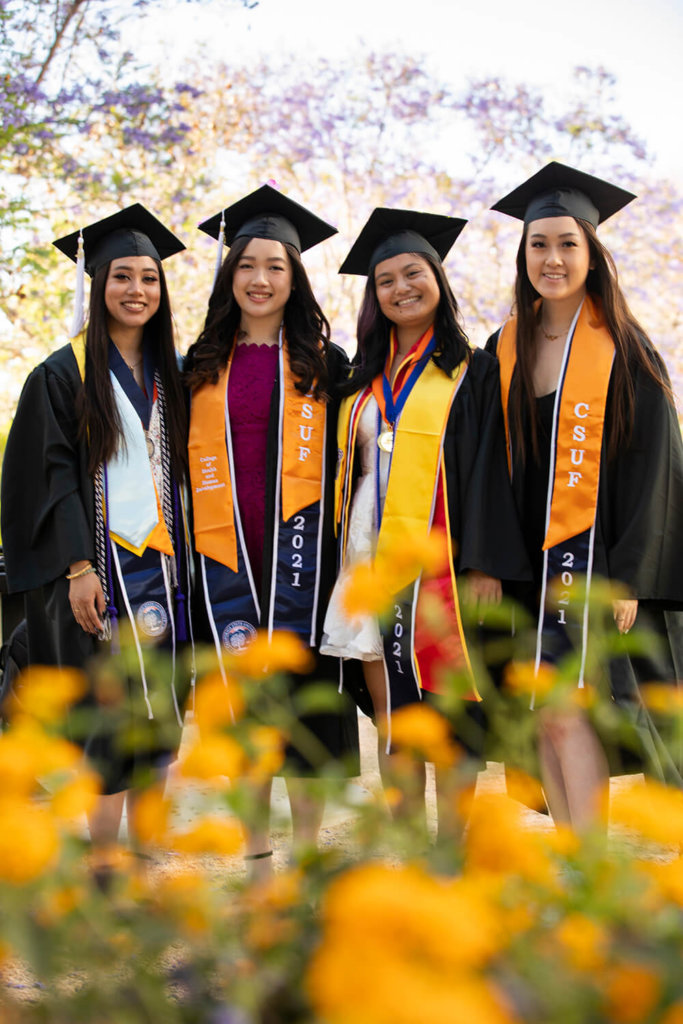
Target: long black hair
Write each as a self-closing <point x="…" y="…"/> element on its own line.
<point x="99" y="421"/>
<point x="632" y="347"/>
<point x="374" y="330"/>
<point x="306" y="328"/>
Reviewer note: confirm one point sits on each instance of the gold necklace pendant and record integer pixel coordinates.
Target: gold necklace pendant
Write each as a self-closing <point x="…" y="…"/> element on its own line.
<point x="385" y="441"/>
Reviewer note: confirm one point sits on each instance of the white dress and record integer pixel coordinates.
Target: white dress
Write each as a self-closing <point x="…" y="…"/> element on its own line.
<point x="358" y="637"/>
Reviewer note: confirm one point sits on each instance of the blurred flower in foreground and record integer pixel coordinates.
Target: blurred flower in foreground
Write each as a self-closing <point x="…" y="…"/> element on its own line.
<point x="499" y="842"/>
<point x="283" y="652"/>
<point x="29" y="842"/>
<point x="364" y="592"/>
<point x="45" y="692"/>
<point x="77" y="796"/>
<point x="631" y="992"/>
<point x="663" y="698"/>
<point x="652" y="809"/>
<point x="27" y="752"/>
<point x="215" y="704"/>
<point x="151" y="813"/>
<point x="585" y="942"/>
<point x="266" y="749"/>
<point x="521" y="677"/>
<point x="214" y="757"/>
<point x="212" y="834"/>
<point x="668" y="878"/>
<point x="420" y="729"/>
<point x="400" y="946"/>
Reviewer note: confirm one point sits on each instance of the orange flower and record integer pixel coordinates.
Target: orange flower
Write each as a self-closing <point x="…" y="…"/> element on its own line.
<point x="663" y="698"/>
<point x="652" y="809"/>
<point x="521" y="677"/>
<point x="29" y="842"/>
<point x="214" y="757"/>
<point x="524" y="788"/>
<point x="151" y="813"/>
<point x="45" y="692"/>
<point x="631" y="992"/>
<point x="674" y="1014"/>
<point x="584" y="941"/>
<point x="267" y="745"/>
<point x="217" y="704"/>
<point x="497" y="841"/>
<point x="211" y="835"/>
<point x="284" y="652"/>
<point x="422" y="730"/>
<point x="77" y="797"/>
<point x="364" y="592"/>
<point x="27" y="752"/>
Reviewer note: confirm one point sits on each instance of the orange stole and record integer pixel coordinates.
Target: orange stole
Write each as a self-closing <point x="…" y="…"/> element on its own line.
<point x="302" y="445"/>
<point x="581" y="420"/>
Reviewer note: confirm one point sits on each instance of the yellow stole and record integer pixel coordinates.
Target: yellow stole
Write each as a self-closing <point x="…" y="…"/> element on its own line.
<point x="302" y="451"/>
<point x="580" y="424"/>
<point x="417" y="472"/>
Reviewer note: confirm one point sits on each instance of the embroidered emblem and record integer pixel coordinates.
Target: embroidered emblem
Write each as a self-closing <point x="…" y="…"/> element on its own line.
<point x="151" y="618"/>
<point x="237" y="636"/>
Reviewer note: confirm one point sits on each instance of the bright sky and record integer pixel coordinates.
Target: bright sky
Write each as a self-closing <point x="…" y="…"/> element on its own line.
<point x="527" y="41"/>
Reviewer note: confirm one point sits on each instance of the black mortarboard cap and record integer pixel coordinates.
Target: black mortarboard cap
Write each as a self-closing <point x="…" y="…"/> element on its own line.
<point x="130" y="232"/>
<point x="390" y="232"/>
<point x="267" y="213"/>
<point x="560" y="191"/>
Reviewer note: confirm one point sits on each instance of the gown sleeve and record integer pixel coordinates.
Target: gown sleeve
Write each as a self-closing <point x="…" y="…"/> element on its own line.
<point x="45" y="524"/>
<point x="490" y="538"/>
<point x="641" y="501"/>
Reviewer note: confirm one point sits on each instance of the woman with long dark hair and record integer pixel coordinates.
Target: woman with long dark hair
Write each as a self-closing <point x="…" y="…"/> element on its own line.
<point x="421" y="455"/>
<point x="596" y="463"/>
<point x="262" y="455"/>
<point x="92" y="520"/>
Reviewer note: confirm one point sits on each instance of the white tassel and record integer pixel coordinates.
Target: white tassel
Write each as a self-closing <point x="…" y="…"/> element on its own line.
<point x="219" y="252"/>
<point x="79" y="299"/>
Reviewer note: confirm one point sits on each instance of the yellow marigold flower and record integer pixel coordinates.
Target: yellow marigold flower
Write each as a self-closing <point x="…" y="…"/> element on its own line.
<point x="497" y="841"/>
<point x="652" y="809"/>
<point x="423" y="554"/>
<point x="267" y="746"/>
<point x="211" y="835"/>
<point x="631" y="992"/>
<point x="584" y="941"/>
<point x="364" y="592"/>
<point x="421" y="729"/>
<point x="284" y="652"/>
<point x="562" y="840"/>
<point x="667" y="877"/>
<point x="217" y="704"/>
<point x="399" y="946"/>
<point x="27" y="752"/>
<point x="151" y="813"/>
<point x="521" y="677"/>
<point x="667" y="700"/>
<point x="185" y="896"/>
<point x="29" y="842"/>
<point x="57" y="903"/>
<point x="77" y="797"/>
<point x="213" y="756"/>
<point x="45" y="692"/>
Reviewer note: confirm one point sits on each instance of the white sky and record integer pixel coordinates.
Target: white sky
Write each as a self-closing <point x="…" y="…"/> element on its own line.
<point x="527" y="41"/>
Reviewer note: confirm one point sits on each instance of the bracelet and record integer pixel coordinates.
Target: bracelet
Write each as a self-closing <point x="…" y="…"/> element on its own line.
<point x="82" y="572"/>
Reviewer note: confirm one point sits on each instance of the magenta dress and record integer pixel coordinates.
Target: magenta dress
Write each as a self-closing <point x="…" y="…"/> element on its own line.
<point x="250" y="386"/>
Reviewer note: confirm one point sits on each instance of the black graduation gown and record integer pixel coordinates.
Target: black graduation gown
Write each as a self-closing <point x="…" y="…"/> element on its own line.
<point x="336" y="731"/>
<point x="638" y="542"/>
<point x="48" y="522"/>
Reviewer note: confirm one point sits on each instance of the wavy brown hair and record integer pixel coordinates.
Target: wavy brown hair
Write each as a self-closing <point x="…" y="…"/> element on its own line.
<point x="374" y="330"/>
<point x="633" y="350"/>
<point x="306" y="328"/>
<point x="99" y="421"/>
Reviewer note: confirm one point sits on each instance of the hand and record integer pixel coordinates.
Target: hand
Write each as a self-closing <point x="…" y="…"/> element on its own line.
<point x="483" y="590"/>
<point x="86" y="598"/>
<point x="625" y="614"/>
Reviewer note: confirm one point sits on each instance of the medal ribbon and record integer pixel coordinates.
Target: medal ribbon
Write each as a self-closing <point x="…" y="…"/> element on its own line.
<point x="391" y="398"/>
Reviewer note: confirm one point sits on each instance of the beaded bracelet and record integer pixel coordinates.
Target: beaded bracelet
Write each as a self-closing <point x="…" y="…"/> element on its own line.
<point x="82" y="572"/>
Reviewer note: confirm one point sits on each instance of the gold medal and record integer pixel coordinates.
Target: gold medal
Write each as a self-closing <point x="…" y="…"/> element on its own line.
<point x="385" y="441"/>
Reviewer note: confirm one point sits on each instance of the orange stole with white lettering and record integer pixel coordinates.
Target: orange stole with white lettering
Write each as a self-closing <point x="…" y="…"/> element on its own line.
<point x="580" y="425"/>
<point x="303" y="444"/>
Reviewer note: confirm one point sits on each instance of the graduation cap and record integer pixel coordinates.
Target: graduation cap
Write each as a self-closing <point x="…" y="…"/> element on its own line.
<point x="560" y="191"/>
<point x="267" y="213"/>
<point x="133" y="231"/>
<point x="390" y="232"/>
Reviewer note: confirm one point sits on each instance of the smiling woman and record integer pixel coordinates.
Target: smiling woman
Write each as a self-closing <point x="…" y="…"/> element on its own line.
<point x="98" y="537"/>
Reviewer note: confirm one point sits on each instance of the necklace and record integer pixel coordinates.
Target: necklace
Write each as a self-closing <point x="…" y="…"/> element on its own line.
<point x="132" y="366"/>
<point x="553" y="337"/>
